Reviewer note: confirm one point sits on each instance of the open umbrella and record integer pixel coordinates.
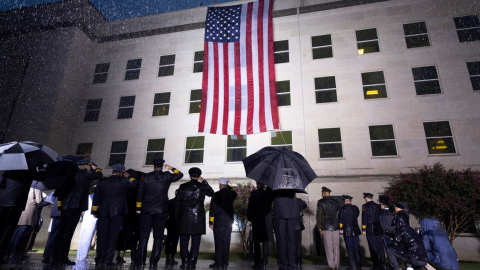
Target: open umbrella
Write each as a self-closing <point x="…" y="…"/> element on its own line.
<point x="58" y="172"/>
<point x="279" y="168"/>
<point x="24" y="155"/>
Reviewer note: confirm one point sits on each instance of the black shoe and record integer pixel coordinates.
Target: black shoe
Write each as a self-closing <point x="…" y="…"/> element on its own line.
<point x="173" y="262"/>
<point x="46" y="260"/>
<point x="120" y="260"/>
<point x="68" y="262"/>
<point x="214" y="265"/>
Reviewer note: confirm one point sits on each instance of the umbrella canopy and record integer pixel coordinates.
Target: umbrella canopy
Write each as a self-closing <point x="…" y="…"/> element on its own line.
<point x="24" y="155"/>
<point x="279" y="168"/>
<point x="58" y="172"/>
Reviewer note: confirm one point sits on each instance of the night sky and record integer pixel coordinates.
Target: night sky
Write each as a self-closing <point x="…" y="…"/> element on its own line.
<point x="122" y="9"/>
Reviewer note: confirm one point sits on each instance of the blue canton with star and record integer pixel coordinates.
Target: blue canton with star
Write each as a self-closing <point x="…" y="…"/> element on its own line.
<point x="223" y="24"/>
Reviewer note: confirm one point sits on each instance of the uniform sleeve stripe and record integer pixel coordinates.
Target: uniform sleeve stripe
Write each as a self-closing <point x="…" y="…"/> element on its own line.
<point x="139" y="204"/>
<point x="94" y="208"/>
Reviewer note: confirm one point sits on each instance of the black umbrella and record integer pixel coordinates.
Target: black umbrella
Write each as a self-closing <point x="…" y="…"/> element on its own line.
<point x="58" y="172"/>
<point x="24" y="155"/>
<point x="279" y="168"/>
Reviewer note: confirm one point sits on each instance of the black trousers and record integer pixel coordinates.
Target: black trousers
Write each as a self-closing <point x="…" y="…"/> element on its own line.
<point x="51" y="238"/>
<point x="185" y="254"/>
<point x="9" y="217"/>
<point x="19" y="241"/>
<point x="353" y="250"/>
<point x="147" y="222"/>
<point x="258" y="252"/>
<point x="222" y="236"/>
<point x="66" y="229"/>
<point x="108" y="229"/>
<point x="298" y="247"/>
<point x="285" y="235"/>
<point x="377" y="250"/>
<point x="171" y="243"/>
<point x="394" y="256"/>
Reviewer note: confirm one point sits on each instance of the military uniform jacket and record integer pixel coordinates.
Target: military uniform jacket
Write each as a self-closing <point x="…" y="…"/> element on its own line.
<point x="152" y="195"/>
<point x="259" y="212"/>
<point x="386" y="218"/>
<point x="371" y="218"/>
<point x="110" y="196"/>
<point x="285" y="204"/>
<point x="327" y="214"/>
<point x="348" y="218"/>
<point x="221" y="207"/>
<point x="16" y="185"/>
<point x="77" y="198"/>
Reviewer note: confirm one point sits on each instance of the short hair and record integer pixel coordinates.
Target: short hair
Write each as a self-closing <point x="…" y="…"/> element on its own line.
<point x="348" y="200"/>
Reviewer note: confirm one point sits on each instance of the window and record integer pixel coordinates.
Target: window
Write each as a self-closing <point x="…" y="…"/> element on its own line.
<point x="166" y="66"/>
<point x="382" y="140"/>
<point x="101" y="73"/>
<point x="194" y="149"/>
<point x="280" y="52"/>
<point x="198" y="62"/>
<point x="325" y="89"/>
<point x="195" y="101"/>
<point x="118" y="153"/>
<point x="474" y="71"/>
<point x="416" y="35"/>
<point x="236" y="148"/>
<point x="125" y="109"/>
<point x="84" y="150"/>
<point x="374" y="85"/>
<point x="322" y="47"/>
<point x="439" y="138"/>
<point x="161" y="104"/>
<point x="93" y="110"/>
<point x="367" y="41"/>
<point x="426" y="80"/>
<point x="330" y="143"/>
<point x="468" y="28"/>
<point x="133" y="69"/>
<point x="283" y="93"/>
<point x="155" y="149"/>
<point x="281" y="138"/>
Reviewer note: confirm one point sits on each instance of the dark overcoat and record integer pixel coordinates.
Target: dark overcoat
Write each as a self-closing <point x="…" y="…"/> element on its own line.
<point x="348" y="218"/>
<point x="438" y="247"/>
<point x="407" y="242"/>
<point x="259" y="212"/>
<point x="221" y="207"/>
<point x="110" y="196"/>
<point x="327" y="214"/>
<point x="77" y="198"/>
<point x="152" y="195"/>
<point x="371" y="218"/>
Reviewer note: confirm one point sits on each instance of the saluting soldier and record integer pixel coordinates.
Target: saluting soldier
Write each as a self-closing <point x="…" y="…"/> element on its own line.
<point x="372" y="228"/>
<point x="348" y="218"/>
<point x="72" y="201"/>
<point x="109" y="205"/>
<point x="221" y="221"/>
<point x="328" y="226"/>
<point x="386" y="218"/>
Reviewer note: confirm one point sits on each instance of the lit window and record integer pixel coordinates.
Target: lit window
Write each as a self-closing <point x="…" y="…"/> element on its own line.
<point x="281" y="138"/>
<point x="325" y="89"/>
<point x="118" y="153"/>
<point x="195" y="100"/>
<point x="133" y="69"/>
<point x="93" y="110"/>
<point x="330" y="143"/>
<point x="280" y="52"/>
<point x="439" y="138"/>
<point x="194" y="149"/>
<point x="236" y="148"/>
<point x="161" y="104"/>
<point x="283" y="93"/>
<point x="474" y="71"/>
<point x="198" y="62"/>
<point x="374" y="85"/>
<point x="426" y="80"/>
<point x="125" y="109"/>
<point x="468" y="28"/>
<point x="322" y="47"/>
<point x="367" y="41"/>
<point x="101" y="73"/>
<point x="84" y="150"/>
<point x="416" y="35"/>
<point x="155" y="149"/>
<point x="166" y="66"/>
<point x="382" y="140"/>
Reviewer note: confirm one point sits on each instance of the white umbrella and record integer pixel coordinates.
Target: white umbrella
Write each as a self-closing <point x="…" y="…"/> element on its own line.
<point x="24" y="155"/>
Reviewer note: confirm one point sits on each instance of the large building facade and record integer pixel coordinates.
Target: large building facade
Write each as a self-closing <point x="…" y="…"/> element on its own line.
<point x="367" y="89"/>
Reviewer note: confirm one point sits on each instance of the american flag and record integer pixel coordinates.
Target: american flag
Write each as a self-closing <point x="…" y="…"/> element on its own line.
<point x="238" y="90"/>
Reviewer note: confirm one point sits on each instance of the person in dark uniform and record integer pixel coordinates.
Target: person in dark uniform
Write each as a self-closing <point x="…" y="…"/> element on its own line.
<point x="172" y="233"/>
<point x="71" y="204"/>
<point x="152" y="205"/>
<point x="372" y="228"/>
<point x="16" y="185"/>
<point x="55" y="220"/>
<point x="327" y="222"/>
<point x="285" y="214"/>
<point x="190" y="215"/>
<point x="348" y="218"/>
<point x="299" y="227"/>
<point x="402" y="206"/>
<point x="259" y="212"/>
<point x="386" y="218"/>
<point x="109" y="205"/>
<point x="221" y="221"/>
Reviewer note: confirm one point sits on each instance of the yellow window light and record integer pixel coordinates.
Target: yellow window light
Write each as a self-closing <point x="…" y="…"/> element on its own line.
<point x="439" y="147"/>
<point x="372" y="92"/>
<point x="441" y="142"/>
<point x="361" y="51"/>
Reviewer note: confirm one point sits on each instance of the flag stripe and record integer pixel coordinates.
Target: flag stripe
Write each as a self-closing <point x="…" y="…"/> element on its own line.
<point x="243" y="69"/>
<point x="226" y="89"/>
<point x="260" y="38"/>
<point x="203" y="103"/>
<point x="210" y="92"/>
<point x="238" y="89"/>
<point x="221" y="90"/>
<point x="213" y="128"/>
<point x="255" y="64"/>
<point x="231" y="87"/>
<point x="273" y="87"/>
<point x="248" y="45"/>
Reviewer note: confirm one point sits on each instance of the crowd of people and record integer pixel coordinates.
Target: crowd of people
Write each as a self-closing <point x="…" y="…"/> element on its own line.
<point x="122" y="210"/>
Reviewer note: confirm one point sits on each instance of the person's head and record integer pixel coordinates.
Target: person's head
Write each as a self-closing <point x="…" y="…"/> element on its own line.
<point x="347" y="199"/>
<point x="223" y="183"/>
<point x="399" y="206"/>
<point x="84" y="164"/>
<point x="367" y="196"/>
<point x="384" y="201"/>
<point x="118" y="169"/>
<point x="194" y="173"/>
<point x="158" y="164"/>
<point x="326" y="192"/>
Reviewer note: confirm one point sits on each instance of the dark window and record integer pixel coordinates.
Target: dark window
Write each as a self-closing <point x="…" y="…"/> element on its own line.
<point x="439" y="138"/>
<point x="367" y="41"/>
<point x="283" y="93"/>
<point x="468" y="28"/>
<point x="280" y="52"/>
<point x="195" y="101"/>
<point x="125" y="109"/>
<point x="330" y="143"/>
<point x="322" y="47"/>
<point x="93" y="110"/>
<point x="155" y="149"/>
<point x="236" y="148"/>
<point x="374" y="85"/>
<point x="84" y="150"/>
<point x="281" y="138"/>
<point x="133" y="69"/>
<point x="416" y="35"/>
<point x="166" y="66"/>
<point x="198" y="62"/>
<point x="118" y="153"/>
<point x="325" y="89"/>
<point x="101" y="73"/>
<point x="382" y="140"/>
<point x="474" y="71"/>
<point x="426" y="80"/>
<point x="161" y="104"/>
<point x="194" y="149"/>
